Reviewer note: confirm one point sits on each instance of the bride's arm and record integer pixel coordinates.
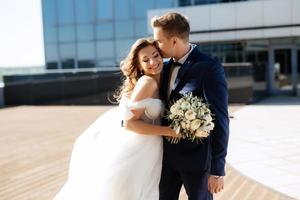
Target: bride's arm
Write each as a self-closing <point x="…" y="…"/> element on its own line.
<point x="145" y="88"/>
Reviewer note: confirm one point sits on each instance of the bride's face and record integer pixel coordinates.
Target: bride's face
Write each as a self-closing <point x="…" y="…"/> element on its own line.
<point x="150" y="60"/>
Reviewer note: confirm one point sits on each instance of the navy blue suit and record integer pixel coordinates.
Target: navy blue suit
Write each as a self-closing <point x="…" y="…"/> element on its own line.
<point x="187" y="162"/>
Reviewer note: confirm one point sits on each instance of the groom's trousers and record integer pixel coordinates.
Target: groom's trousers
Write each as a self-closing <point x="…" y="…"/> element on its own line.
<point x="195" y="184"/>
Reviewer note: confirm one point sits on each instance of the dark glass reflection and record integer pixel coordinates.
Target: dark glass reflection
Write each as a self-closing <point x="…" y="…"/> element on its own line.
<point x="184" y="3"/>
<point x="67" y="54"/>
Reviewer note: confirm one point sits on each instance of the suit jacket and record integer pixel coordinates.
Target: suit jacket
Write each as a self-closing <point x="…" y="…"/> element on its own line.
<point x="204" y="77"/>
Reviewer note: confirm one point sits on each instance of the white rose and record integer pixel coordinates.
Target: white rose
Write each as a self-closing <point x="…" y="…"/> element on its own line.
<point x="185" y="105"/>
<point x="208" y="118"/>
<point x="173" y="109"/>
<point x="190" y="115"/>
<point x="201" y="133"/>
<point x="183" y="125"/>
<point x="209" y="127"/>
<point x="195" y="124"/>
<point x="180" y="113"/>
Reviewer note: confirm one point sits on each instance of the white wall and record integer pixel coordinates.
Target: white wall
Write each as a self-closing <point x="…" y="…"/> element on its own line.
<point x="21" y="33"/>
<point x="247" y="14"/>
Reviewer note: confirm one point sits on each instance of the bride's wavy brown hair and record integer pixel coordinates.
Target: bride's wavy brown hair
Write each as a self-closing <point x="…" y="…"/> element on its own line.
<point x="131" y="68"/>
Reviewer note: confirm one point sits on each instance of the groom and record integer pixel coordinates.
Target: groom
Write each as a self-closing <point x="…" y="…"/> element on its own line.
<point x="199" y="167"/>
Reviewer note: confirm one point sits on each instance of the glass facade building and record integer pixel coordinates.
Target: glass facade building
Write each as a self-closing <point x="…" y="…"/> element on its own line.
<point x="204" y="2"/>
<point x="98" y="33"/>
<point x="93" y="33"/>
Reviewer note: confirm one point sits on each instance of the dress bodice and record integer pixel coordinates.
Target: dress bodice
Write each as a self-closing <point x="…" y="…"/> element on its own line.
<point x="153" y="109"/>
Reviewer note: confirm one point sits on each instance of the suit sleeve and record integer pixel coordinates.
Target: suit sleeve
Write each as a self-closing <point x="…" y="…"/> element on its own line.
<point x="215" y="91"/>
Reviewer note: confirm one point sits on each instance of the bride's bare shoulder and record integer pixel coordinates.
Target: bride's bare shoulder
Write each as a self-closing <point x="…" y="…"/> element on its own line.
<point x="145" y="88"/>
<point x="147" y="81"/>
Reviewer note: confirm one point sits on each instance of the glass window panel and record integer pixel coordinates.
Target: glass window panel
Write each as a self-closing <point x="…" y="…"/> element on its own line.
<point x="85" y="32"/>
<point x="298" y="42"/>
<point x="164" y="3"/>
<point x="104" y="9"/>
<point x="184" y="2"/>
<point x="67" y="55"/>
<point x="107" y="63"/>
<point x="141" y="8"/>
<point x="66" y="33"/>
<point x="105" y="49"/>
<point x="67" y="51"/>
<point x="84" y="11"/>
<point x="50" y="33"/>
<point x="51" y="56"/>
<point x="51" y="52"/>
<point x="86" y="50"/>
<point x="86" y="55"/>
<point x="123" y="48"/>
<point x="124" y="29"/>
<point x="141" y="28"/>
<point x="49" y="12"/>
<point x="52" y="65"/>
<point x="122" y="9"/>
<point x="49" y="20"/>
<point x="201" y="2"/>
<point x="65" y="12"/>
<point x="104" y="31"/>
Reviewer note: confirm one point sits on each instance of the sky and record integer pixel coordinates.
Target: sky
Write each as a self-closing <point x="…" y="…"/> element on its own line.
<point x="21" y="33"/>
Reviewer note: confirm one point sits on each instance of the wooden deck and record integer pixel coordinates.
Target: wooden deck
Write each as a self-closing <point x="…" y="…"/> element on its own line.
<point x="35" y="146"/>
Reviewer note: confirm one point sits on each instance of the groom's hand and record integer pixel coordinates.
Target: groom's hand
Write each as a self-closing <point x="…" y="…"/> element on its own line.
<point x="215" y="184"/>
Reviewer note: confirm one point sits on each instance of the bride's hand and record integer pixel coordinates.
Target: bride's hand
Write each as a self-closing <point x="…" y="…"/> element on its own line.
<point x="172" y="133"/>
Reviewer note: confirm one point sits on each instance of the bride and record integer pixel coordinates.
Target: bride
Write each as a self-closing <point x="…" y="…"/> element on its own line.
<point x="111" y="162"/>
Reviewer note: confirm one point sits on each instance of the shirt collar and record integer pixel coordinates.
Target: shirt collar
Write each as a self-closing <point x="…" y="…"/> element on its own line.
<point x="183" y="59"/>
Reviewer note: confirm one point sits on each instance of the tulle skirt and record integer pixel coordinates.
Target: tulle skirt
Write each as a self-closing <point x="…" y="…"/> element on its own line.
<point x="111" y="163"/>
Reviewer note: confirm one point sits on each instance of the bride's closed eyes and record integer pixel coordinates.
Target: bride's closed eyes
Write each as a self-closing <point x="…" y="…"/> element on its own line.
<point x="146" y="59"/>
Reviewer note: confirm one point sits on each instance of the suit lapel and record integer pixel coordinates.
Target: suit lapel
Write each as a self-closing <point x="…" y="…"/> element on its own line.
<point x="165" y="78"/>
<point x="184" y="69"/>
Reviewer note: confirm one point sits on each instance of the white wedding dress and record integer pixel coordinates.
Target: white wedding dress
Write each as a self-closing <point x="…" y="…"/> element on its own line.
<point x="111" y="163"/>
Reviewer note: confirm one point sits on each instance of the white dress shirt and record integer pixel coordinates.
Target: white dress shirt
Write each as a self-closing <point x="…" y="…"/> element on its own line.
<point x="176" y="68"/>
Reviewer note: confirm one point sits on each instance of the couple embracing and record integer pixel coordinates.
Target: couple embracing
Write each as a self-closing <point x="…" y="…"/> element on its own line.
<point x="135" y="160"/>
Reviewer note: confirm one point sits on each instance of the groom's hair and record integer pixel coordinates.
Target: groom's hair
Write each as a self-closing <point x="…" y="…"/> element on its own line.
<point x="173" y="24"/>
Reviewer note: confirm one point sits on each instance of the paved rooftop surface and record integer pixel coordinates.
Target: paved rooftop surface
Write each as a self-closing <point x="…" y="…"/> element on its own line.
<point x="36" y="143"/>
<point x="265" y="143"/>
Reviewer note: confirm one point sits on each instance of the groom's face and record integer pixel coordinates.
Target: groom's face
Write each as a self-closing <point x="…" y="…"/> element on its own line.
<point x="164" y="43"/>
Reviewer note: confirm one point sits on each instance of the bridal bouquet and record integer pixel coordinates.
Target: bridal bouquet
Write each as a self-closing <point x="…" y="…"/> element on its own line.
<point x="191" y="118"/>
